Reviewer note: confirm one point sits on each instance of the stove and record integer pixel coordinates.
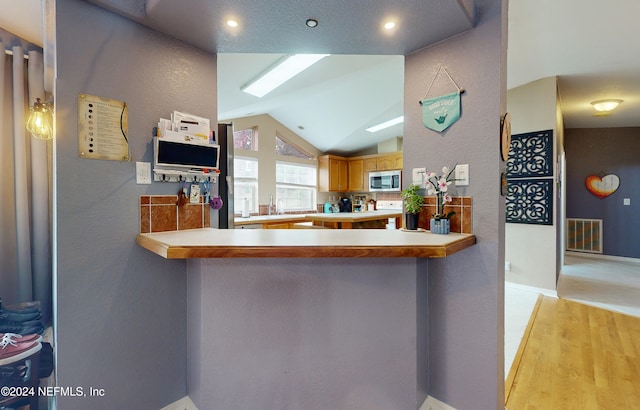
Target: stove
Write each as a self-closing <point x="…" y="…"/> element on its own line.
<point x="393" y="205"/>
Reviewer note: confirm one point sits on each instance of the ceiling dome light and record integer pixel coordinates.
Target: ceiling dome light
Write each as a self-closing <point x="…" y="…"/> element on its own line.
<point x="389" y="25"/>
<point x="232" y="23"/>
<point x="606" y="105"/>
<point x="311" y="23"/>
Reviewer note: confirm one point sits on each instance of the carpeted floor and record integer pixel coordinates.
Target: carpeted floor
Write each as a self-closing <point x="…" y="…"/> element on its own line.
<point x="608" y="284"/>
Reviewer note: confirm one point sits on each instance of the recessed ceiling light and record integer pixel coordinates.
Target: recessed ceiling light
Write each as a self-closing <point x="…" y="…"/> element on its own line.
<point x="389" y="25"/>
<point x="283" y="71"/>
<point x="232" y="23"/>
<point x="606" y="105"/>
<point x="311" y="23"/>
<point x="386" y="124"/>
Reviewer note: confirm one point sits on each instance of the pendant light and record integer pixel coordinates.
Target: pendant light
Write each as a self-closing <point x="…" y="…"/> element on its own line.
<point x="40" y="122"/>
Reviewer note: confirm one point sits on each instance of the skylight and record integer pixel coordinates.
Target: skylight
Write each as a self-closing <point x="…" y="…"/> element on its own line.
<point x="282" y="72"/>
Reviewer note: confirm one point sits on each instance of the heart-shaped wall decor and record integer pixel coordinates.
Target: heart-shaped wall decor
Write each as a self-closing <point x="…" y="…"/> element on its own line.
<point x="602" y="187"/>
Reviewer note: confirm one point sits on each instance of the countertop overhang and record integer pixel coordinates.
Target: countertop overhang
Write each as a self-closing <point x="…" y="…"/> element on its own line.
<point x="303" y="243"/>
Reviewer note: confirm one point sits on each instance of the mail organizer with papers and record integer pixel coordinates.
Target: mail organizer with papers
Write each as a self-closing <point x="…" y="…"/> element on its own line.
<point x="184" y="150"/>
<point x="185" y="160"/>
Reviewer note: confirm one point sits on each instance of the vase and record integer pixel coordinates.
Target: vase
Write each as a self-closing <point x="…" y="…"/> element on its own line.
<point x="440" y="226"/>
<point x="439" y="203"/>
<point x="411" y="221"/>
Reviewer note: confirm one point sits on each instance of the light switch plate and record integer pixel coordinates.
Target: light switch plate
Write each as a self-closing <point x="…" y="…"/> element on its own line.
<point x="626" y="201"/>
<point x="143" y="172"/>
<point x="418" y="176"/>
<point x="462" y="175"/>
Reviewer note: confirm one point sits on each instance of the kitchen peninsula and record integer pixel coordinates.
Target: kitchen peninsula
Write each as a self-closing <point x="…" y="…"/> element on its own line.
<point x="338" y="307"/>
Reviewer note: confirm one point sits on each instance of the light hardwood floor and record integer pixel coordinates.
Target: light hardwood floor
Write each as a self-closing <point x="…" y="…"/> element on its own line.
<point x="575" y="356"/>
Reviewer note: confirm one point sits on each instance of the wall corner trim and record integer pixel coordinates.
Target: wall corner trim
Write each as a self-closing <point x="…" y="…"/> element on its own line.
<point x="184" y="403"/>
<point x="431" y="403"/>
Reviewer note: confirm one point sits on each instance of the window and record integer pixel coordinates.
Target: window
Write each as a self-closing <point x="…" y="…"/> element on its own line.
<point x="285" y="149"/>
<point x="296" y="186"/>
<point x="246" y="139"/>
<point x="245" y="182"/>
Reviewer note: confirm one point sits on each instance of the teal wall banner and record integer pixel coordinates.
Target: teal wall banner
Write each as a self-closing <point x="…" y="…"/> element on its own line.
<point x="439" y="113"/>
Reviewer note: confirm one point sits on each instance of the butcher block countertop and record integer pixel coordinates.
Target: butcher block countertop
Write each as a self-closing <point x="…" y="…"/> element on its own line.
<point x="303" y="243"/>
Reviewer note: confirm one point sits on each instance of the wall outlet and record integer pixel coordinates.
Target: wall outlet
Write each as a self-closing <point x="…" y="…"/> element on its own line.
<point x="507" y="266"/>
<point x="626" y="201"/>
<point x="143" y="172"/>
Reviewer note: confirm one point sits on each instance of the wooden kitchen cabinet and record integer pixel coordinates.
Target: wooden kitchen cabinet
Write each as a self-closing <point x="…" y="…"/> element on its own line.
<point x="397" y="160"/>
<point x="356" y="175"/>
<point x="389" y="161"/>
<point x="370" y="164"/>
<point x="333" y="173"/>
<point x="340" y="174"/>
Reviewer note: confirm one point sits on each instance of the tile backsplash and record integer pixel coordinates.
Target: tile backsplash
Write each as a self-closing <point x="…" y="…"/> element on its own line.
<point x="159" y="213"/>
<point x="460" y="221"/>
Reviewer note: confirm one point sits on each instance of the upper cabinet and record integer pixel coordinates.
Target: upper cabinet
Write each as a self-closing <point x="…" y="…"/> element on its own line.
<point x="370" y="164"/>
<point x="387" y="162"/>
<point x="333" y="173"/>
<point x="340" y="174"/>
<point x="356" y="175"/>
<point x="382" y="162"/>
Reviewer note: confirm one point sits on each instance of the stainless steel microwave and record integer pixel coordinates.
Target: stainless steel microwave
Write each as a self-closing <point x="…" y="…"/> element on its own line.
<point x="382" y="181"/>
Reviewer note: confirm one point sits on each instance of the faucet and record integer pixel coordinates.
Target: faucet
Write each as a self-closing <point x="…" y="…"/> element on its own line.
<point x="270" y="203"/>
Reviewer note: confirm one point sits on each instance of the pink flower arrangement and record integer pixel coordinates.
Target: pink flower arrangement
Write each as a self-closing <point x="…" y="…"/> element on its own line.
<point x="439" y="185"/>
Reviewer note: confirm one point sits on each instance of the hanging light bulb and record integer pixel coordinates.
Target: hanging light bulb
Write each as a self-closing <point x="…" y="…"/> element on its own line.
<point x="40" y="121"/>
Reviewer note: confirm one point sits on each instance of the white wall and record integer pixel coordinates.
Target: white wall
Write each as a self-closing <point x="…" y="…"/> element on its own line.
<point x="532" y="249"/>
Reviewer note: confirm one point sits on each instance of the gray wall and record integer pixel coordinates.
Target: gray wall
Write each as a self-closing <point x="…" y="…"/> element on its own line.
<point x="603" y="151"/>
<point x="299" y="333"/>
<point x="466" y="290"/>
<point x="121" y="309"/>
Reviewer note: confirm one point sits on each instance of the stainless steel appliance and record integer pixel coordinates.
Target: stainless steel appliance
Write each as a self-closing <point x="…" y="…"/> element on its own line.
<point x="385" y="181"/>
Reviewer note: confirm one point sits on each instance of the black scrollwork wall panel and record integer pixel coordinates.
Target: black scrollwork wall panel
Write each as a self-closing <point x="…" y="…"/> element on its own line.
<point x="530" y="201"/>
<point x="531" y="155"/>
<point x="530" y="178"/>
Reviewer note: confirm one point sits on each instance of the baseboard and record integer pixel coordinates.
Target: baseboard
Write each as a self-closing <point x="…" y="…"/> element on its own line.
<point x="601" y="256"/>
<point x="431" y="403"/>
<point x="184" y="403"/>
<point x="533" y="289"/>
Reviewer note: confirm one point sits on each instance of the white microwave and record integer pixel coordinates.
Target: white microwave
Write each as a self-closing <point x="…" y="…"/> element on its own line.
<point x="385" y="181"/>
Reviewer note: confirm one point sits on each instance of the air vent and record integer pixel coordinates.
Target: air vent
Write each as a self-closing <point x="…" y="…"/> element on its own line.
<point x="584" y="235"/>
